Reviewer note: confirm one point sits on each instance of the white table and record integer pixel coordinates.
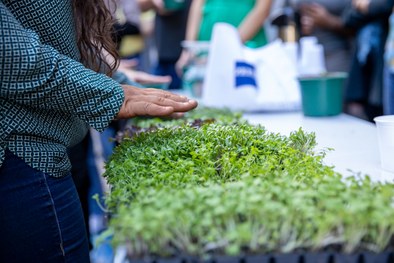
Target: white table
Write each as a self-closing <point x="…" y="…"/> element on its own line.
<point x="354" y="140"/>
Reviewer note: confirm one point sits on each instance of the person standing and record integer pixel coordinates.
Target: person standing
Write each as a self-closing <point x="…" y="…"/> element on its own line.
<point x="369" y="20"/>
<point x="169" y="32"/>
<point x="323" y="19"/>
<point x="248" y="16"/>
<point x="49" y="96"/>
<point x="388" y="88"/>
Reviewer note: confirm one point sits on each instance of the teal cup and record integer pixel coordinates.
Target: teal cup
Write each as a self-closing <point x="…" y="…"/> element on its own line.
<point x="322" y="95"/>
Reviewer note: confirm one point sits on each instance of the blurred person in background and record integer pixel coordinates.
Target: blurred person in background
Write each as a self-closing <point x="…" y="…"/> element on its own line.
<point x="52" y="89"/>
<point x="128" y="35"/>
<point x="169" y="32"/>
<point x="126" y="27"/>
<point x="323" y="19"/>
<point x="369" y="20"/>
<point x="388" y="87"/>
<point x="248" y="16"/>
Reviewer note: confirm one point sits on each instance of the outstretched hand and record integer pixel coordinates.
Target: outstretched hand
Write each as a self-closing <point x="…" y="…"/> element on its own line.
<point x="127" y="68"/>
<point x="153" y="102"/>
<point x="314" y="15"/>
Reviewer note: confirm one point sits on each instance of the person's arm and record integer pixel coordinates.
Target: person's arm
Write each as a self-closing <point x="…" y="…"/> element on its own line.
<point x="314" y="15"/>
<point x="192" y="29"/>
<point x="194" y="20"/>
<point x="129" y="76"/>
<point x="255" y="19"/>
<point x="38" y="76"/>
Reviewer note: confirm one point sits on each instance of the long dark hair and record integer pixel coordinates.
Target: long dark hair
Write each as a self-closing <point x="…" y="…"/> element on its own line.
<point x="94" y="28"/>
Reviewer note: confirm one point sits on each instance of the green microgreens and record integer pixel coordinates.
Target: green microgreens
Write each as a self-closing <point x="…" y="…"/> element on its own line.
<point x="228" y="187"/>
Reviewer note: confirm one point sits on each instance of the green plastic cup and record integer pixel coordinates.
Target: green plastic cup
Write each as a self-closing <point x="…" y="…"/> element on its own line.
<point x="322" y="95"/>
<point x="174" y="5"/>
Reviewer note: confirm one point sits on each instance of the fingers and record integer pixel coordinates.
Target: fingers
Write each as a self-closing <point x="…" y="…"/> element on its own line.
<point x="313" y="10"/>
<point x="314" y="15"/>
<point x="150" y="109"/>
<point x="153" y="102"/>
<point x="178" y="106"/>
<point x="182" y="62"/>
<point x="307" y="20"/>
<point x="128" y="63"/>
<point x="164" y="94"/>
<point x="307" y="25"/>
<point x="179" y="69"/>
<point x="159" y="108"/>
<point x="161" y="79"/>
<point x="157" y="111"/>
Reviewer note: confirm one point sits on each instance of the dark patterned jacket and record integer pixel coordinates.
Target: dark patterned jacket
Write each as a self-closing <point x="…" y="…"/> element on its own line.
<point x="47" y="98"/>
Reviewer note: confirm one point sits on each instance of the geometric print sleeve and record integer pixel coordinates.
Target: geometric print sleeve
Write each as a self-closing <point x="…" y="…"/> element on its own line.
<point x="37" y="75"/>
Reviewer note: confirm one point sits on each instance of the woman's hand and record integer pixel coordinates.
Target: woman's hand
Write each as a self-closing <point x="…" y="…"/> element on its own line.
<point x="146" y="78"/>
<point x="153" y="102"/>
<point x="143" y="77"/>
<point x="314" y="15"/>
<point x="182" y="62"/>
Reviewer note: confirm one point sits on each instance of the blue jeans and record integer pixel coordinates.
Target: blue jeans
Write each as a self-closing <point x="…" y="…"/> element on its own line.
<point x="41" y="218"/>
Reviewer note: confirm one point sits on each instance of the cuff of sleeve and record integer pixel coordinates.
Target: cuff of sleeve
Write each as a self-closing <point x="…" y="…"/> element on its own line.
<point x="106" y="108"/>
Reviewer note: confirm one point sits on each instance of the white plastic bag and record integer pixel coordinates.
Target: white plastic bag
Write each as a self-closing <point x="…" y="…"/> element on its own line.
<point x="241" y="78"/>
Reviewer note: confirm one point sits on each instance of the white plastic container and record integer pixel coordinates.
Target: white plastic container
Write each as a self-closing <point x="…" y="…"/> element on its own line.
<point x="385" y="131"/>
<point x="312" y="61"/>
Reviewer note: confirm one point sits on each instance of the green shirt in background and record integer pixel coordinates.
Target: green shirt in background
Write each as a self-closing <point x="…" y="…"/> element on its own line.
<point x="228" y="11"/>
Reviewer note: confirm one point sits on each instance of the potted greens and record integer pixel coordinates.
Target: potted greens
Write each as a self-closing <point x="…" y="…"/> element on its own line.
<point x="232" y="192"/>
